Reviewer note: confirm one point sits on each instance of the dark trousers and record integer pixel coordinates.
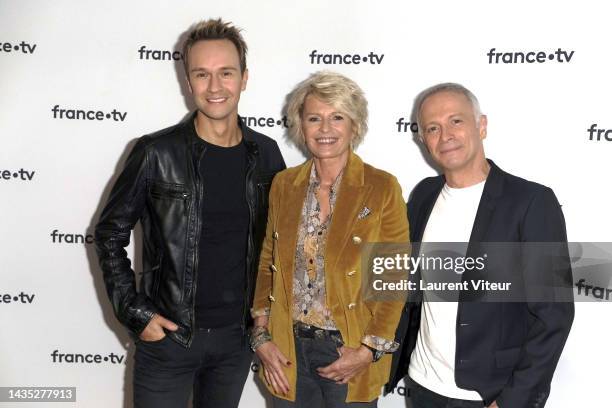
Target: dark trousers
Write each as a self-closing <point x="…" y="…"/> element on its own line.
<point x="422" y="397"/>
<point x="314" y="391"/>
<point x="215" y="368"/>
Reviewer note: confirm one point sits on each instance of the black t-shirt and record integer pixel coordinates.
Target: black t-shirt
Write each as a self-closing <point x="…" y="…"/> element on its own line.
<point x="222" y="249"/>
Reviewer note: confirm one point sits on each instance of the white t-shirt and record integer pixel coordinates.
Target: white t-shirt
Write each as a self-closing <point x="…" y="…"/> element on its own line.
<point x="432" y="363"/>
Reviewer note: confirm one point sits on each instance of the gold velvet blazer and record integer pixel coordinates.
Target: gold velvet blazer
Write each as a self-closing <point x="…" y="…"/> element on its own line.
<point x="362" y="186"/>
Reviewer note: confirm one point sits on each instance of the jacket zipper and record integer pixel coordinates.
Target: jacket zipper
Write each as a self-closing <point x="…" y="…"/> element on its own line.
<point x="249" y="199"/>
<point x="197" y="216"/>
<point x="185" y="204"/>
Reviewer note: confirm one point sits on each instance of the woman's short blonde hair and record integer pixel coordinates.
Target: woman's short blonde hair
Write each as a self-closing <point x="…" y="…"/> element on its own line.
<point x="333" y="89"/>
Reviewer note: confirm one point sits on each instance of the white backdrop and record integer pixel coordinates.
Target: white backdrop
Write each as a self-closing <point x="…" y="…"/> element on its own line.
<point x="55" y="172"/>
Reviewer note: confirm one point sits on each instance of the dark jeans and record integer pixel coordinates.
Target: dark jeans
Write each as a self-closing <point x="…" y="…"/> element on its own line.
<point x="314" y="391"/>
<point x="215" y="367"/>
<point x="421" y="397"/>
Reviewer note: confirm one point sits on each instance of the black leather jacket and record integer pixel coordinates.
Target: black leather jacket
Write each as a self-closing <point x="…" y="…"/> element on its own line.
<point x="160" y="186"/>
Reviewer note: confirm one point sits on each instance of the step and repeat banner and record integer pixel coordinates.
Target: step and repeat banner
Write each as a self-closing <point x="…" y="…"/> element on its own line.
<point x="81" y="80"/>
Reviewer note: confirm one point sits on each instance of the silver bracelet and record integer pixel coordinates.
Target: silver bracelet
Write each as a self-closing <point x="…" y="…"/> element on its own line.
<point x="259" y="336"/>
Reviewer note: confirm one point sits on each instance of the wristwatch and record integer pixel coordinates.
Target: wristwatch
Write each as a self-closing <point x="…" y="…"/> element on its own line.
<point x="376" y="354"/>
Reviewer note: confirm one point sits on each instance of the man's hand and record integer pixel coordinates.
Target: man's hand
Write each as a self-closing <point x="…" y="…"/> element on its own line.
<point x="273" y="361"/>
<point x="351" y="362"/>
<point x="155" y="329"/>
<point x="493" y="405"/>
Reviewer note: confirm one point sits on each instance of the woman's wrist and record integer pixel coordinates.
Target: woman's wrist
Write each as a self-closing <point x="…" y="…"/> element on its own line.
<point x="259" y="336"/>
<point x="261" y="320"/>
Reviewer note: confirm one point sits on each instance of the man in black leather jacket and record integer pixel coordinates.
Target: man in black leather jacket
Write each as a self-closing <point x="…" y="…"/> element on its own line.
<point x="200" y="191"/>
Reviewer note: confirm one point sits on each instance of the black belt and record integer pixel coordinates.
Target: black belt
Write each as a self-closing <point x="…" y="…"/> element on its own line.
<point x="304" y="330"/>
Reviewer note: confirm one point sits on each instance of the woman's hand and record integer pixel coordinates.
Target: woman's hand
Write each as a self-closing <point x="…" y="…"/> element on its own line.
<point x="352" y="361"/>
<point x="273" y="361"/>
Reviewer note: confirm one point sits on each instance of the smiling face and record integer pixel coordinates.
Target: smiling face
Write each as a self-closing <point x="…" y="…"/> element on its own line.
<point x="215" y="79"/>
<point x="327" y="131"/>
<point x="451" y="133"/>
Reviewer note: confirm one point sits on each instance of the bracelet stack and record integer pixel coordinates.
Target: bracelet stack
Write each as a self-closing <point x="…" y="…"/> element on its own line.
<point x="259" y="336"/>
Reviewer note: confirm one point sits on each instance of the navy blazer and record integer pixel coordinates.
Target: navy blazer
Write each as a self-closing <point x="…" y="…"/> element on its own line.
<point x="506" y="351"/>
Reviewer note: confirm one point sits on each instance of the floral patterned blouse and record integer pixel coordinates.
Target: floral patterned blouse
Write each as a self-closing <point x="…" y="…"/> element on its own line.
<point x="309" y="303"/>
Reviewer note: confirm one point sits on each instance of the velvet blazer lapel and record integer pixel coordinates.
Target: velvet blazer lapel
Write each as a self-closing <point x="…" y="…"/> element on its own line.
<point x="290" y="212"/>
<point x="351" y="196"/>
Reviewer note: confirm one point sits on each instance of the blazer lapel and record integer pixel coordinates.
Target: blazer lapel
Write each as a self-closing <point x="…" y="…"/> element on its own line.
<point x="420" y="222"/>
<point x="422" y="218"/>
<point x="291" y="206"/>
<point x="352" y="195"/>
<point x="492" y="190"/>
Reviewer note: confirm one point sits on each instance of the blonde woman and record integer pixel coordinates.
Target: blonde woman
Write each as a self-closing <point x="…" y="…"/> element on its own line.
<point x="319" y="342"/>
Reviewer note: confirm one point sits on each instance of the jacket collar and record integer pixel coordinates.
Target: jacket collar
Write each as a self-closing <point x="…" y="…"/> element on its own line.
<point x="353" y="172"/>
<point x="193" y="138"/>
<point x="494" y="181"/>
<point x="493" y="188"/>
